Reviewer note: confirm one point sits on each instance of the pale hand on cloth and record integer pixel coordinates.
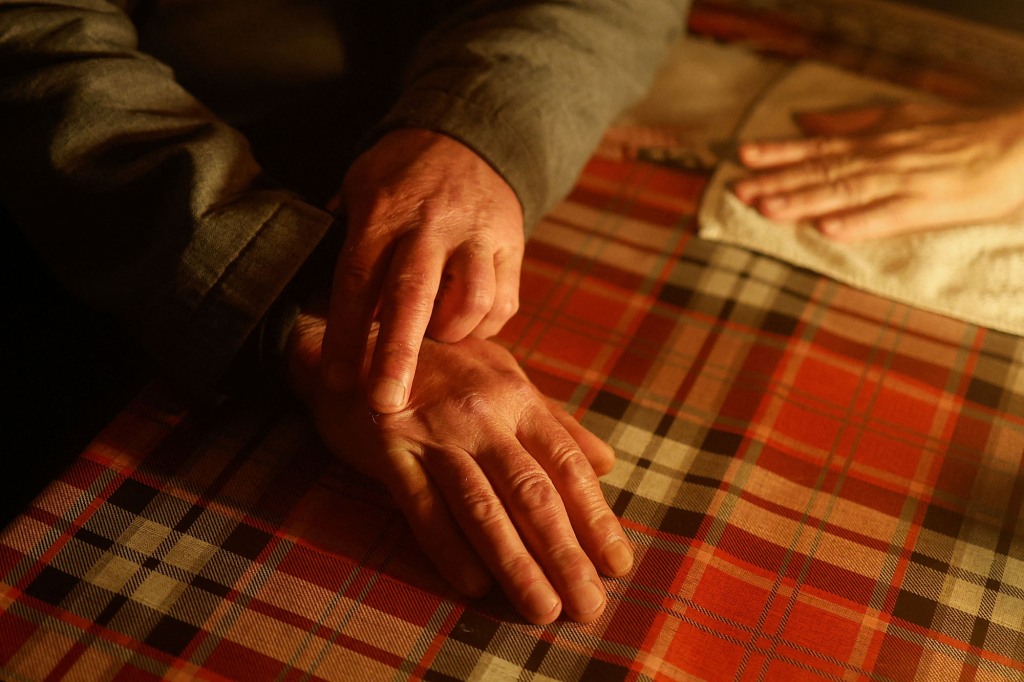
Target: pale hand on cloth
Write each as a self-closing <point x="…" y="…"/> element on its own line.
<point x="972" y="272"/>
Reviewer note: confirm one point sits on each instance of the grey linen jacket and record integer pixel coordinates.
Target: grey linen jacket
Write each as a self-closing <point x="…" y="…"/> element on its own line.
<point x="149" y="206"/>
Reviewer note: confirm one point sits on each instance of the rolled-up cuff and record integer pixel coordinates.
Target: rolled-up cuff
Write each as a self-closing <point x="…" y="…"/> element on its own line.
<point x="199" y="355"/>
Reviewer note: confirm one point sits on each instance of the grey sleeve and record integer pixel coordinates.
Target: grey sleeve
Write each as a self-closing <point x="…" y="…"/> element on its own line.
<point x="138" y="198"/>
<point x="531" y="86"/>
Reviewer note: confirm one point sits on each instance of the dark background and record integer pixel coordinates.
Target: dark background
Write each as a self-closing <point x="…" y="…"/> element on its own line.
<point x="1001" y="13"/>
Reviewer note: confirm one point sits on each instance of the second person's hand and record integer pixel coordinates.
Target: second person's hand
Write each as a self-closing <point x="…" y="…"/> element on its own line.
<point x="880" y="171"/>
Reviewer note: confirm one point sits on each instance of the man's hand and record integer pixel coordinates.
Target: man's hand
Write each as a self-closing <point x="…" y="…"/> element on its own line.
<point x="495" y="481"/>
<point x="434" y="246"/>
<point x="885" y="170"/>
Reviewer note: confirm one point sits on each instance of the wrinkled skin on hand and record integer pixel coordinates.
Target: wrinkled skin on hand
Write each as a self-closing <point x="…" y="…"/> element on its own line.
<point x="434" y="246"/>
<point x="880" y="171"/>
<point x="496" y="482"/>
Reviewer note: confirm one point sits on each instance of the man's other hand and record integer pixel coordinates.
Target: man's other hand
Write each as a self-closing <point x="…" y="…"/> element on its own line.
<point x="497" y="482"/>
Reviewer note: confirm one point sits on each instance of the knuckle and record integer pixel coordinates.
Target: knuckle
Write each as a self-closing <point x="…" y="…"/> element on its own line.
<point x="382" y="203"/>
<point x="420" y="495"/>
<point x="412" y="283"/>
<point x="482" y="509"/>
<point x="519" y="391"/>
<point x="823" y="170"/>
<point x="433" y="212"/>
<point x="504" y="308"/>
<point x="415" y="292"/>
<point x="474" y="404"/>
<point x="571" y="464"/>
<point x="533" y="491"/>
<point x="502" y="390"/>
<point x="848" y="187"/>
<point x="568" y="557"/>
<point x="517" y="564"/>
<point x="373" y="216"/>
<point x="766" y="184"/>
<point x="477" y="302"/>
<point x="354" y="275"/>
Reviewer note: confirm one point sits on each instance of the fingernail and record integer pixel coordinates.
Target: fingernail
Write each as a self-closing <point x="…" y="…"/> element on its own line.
<point x="774" y="203"/>
<point x="539" y="601"/>
<point x="618" y="557"/>
<point x="388" y="394"/>
<point x="586" y="599"/>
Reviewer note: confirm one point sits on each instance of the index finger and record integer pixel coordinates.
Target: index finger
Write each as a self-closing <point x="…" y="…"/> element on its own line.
<point x="406" y="304"/>
<point x="355" y="289"/>
<point x="771" y="153"/>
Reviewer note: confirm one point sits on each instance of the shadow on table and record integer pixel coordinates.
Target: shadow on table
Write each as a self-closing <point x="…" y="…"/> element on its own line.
<point x="65" y="373"/>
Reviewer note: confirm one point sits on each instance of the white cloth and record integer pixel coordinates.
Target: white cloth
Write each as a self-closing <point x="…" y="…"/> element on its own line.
<point x="973" y="273"/>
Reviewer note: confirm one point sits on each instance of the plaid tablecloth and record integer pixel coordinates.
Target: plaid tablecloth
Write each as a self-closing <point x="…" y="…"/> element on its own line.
<point x="819" y="483"/>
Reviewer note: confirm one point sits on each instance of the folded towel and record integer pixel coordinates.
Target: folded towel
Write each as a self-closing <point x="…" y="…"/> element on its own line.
<point x="973" y="273"/>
